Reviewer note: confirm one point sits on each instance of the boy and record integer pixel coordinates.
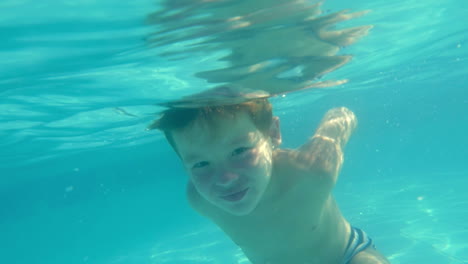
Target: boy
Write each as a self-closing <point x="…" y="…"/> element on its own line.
<point x="276" y="204"/>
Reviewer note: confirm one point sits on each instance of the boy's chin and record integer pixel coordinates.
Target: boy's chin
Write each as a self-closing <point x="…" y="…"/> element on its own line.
<point x="239" y="209"/>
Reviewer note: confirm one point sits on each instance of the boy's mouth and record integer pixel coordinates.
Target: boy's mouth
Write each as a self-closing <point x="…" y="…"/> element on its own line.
<point x="237" y="196"/>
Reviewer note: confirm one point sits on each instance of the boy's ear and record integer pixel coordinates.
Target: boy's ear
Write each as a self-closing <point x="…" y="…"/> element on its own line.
<point x="275" y="132"/>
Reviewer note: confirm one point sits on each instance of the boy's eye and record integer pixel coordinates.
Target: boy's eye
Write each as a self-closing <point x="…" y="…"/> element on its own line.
<point x="239" y="151"/>
<point x="200" y="164"/>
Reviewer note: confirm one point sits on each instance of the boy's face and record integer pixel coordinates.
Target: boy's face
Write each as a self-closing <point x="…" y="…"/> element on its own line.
<point x="229" y="161"/>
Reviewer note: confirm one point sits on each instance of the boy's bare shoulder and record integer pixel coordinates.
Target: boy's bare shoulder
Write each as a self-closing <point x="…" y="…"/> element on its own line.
<point x="288" y="166"/>
<point x="286" y="161"/>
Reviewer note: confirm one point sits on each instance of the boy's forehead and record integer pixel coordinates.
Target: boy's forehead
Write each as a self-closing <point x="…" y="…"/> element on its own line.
<point x="220" y="124"/>
<point x="217" y="128"/>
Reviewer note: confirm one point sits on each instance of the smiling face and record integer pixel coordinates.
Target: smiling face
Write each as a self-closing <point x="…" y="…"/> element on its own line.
<point x="229" y="161"/>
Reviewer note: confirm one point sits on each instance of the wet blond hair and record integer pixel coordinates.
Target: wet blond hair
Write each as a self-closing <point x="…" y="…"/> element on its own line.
<point x="260" y="112"/>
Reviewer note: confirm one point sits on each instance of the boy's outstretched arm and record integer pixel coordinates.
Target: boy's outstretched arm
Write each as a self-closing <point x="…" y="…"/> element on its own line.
<point x="322" y="154"/>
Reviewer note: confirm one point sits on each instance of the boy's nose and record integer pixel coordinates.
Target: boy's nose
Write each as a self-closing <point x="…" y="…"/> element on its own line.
<point x="226" y="178"/>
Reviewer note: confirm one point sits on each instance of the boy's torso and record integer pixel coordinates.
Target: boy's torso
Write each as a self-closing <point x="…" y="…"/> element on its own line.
<point x="296" y="222"/>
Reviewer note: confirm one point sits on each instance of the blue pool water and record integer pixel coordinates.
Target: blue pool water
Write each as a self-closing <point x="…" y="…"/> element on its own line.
<point x="82" y="181"/>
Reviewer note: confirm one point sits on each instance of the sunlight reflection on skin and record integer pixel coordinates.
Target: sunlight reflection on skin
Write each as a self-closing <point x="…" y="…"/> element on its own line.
<point x="324" y="151"/>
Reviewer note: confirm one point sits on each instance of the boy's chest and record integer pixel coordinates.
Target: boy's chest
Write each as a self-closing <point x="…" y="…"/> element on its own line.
<point x="290" y="229"/>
